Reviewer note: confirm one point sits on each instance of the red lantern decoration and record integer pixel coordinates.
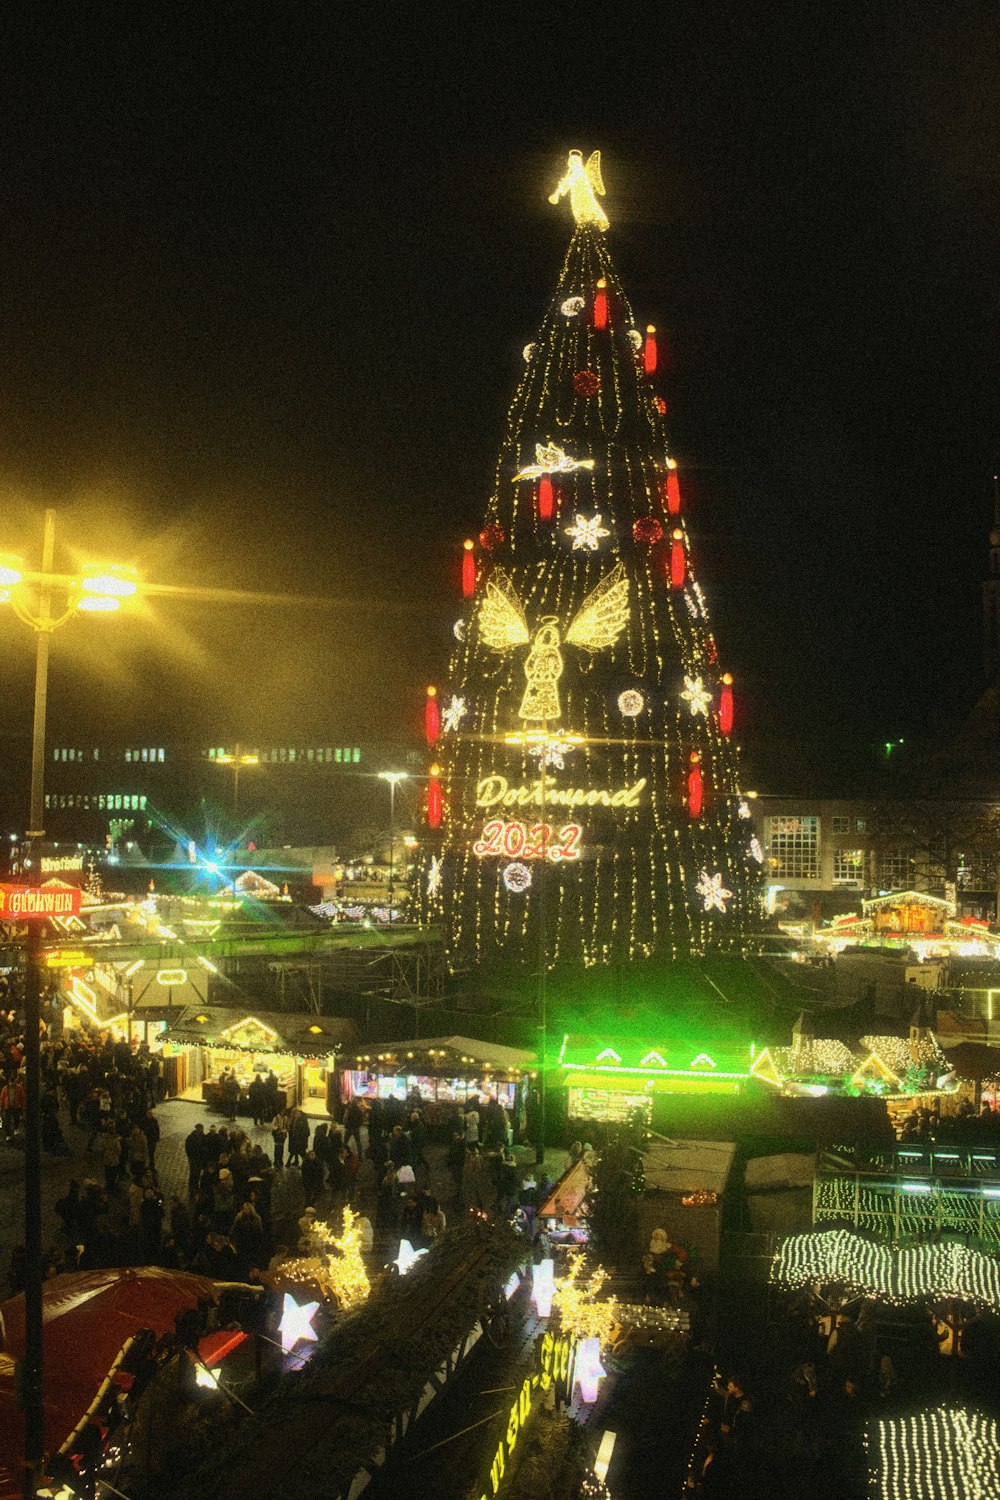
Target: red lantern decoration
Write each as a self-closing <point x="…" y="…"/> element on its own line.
<point x="432" y="716"/>
<point x="649" y="351"/>
<point x="434" y="798"/>
<point x="491" y="537"/>
<point x="696" y="786"/>
<point x="586" y="383"/>
<point x="673" y="492"/>
<point x="647" y="531"/>
<point x="726" y="704"/>
<point x="601" y="305"/>
<point x="468" y="570"/>
<point x="546" y="498"/>
<point x="678" y="560"/>
<point x="661" y="405"/>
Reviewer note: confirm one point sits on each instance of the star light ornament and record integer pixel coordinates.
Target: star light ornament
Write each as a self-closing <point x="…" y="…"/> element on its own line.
<point x="453" y="715"/>
<point x="712" y="892"/>
<point x="696" y="695"/>
<point x="433" y="876"/>
<point x="551" y="752"/>
<point x="296" y="1323"/>
<point x="589" y="1370"/>
<point x="586" y="532"/>
<point x="407" y="1257"/>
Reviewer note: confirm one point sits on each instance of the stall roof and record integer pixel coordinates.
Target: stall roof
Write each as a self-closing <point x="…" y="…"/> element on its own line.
<point x="302" y="1032"/>
<point x="644" y="1059"/>
<point x="490" y="1053"/>
<point x="680" y="1166"/>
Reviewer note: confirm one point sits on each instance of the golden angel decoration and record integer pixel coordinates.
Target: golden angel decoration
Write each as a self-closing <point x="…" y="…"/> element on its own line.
<point x="597" y="624"/>
<point x="584" y="183"/>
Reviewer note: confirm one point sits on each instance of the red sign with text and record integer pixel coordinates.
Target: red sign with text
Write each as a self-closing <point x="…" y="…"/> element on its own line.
<point x="25" y="903"/>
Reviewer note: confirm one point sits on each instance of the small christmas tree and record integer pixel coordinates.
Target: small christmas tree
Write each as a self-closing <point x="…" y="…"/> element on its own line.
<point x="584" y="802"/>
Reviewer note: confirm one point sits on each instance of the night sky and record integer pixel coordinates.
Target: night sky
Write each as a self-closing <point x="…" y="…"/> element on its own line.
<point x="267" y="275"/>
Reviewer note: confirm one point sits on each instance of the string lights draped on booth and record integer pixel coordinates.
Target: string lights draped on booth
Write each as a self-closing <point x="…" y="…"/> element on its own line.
<point x="589" y="792"/>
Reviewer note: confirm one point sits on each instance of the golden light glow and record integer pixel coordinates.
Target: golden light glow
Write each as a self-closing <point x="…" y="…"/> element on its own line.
<point x="115" y="582"/>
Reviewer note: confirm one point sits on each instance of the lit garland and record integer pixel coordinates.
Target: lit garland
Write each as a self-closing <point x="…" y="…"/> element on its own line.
<point x="582" y="1316"/>
<point x="633" y="894"/>
<point x="916" y="1273"/>
<point x="921" y="1208"/>
<point x="935" y="1455"/>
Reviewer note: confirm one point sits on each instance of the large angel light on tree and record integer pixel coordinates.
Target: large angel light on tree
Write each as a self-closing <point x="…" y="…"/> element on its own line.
<point x="592" y="777"/>
<point x="597" y="623"/>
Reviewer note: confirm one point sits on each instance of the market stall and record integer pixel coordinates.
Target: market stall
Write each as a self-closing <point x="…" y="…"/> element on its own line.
<point x="606" y="1082"/>
<point x="300" y="1049"/>
<point x="439" y="1074"/>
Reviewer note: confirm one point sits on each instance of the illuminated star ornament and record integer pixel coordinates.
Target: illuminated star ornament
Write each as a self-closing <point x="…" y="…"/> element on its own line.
<point x="551" y="459"/>
<point x="696" y="696"/>
<point x="296" y="1323"/>
<point x="453" y="715"/>
<point x="712" y="892"/>
<point x="552" y="752"/>
<point x="586" y="532"/>
<point x="433" y="876"/>
<point x="407" y="1257"/>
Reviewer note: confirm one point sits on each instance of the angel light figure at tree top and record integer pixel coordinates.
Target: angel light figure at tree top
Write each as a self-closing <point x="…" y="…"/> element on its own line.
<point x="583" y="183"/>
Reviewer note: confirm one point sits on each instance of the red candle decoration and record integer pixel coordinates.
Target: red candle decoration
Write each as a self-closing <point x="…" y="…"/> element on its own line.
<point x="432" y="716"/>
<point x="491" y="537"/>
<point x="468" y="570"/>
<point x="647" y="531"/>
<point x="649" y="350"/>
<point x="673" y="492"/>
<point x="434" y="798"/>
<point x="726" y="704"/>
<point x="546" y="498"/>
<point x="678" y="560"/>
<point x="696" y="787"/>
<point x="601" y="305"/>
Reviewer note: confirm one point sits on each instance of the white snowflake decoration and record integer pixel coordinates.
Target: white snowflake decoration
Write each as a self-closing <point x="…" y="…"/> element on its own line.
<point x="635" y="339"/>
<point x="757" y="851"/>
<point x="586" y="532"/>
<point x="571" y="307"/>
<point x="433" y="876"/>
<point x="528" y="351"/>
<point x="458" y="630"/>
<point x="692" y="605"/>
<point x="453" y="715"/>
<point x="744" y="810"/>
<point x="551" y="752"/>
<point x="516" y="877"/>
<point x="712" y="892"/>
<point x="631" y="702"/>
<point x="696" y="695"/>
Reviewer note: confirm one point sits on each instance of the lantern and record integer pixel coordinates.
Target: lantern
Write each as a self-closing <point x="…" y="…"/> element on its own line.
<point x="546" y="498"/>
<point x="649" y="350"/>
<point x="468" y="570"/>
<point x="673" y="492"/>
<point x="432" y="716"/>
<point x="434" y="797"/>
<point x="726" y="704"/>
<point x="678" y="560"/>
<point x="696" y="787"/>
<point x="601" y="305"/>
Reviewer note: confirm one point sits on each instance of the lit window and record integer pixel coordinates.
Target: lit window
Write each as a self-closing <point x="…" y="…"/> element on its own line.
<point x="328" y="755"/>
<point x="101" y="801"/>
<point x="840" y="825"/>
<point x="48" y="800"/>
<point x="86" y="804"/>
<point x="861" y="825"/>
<point x="310" y="754"/>
<point x="118" y="802"/>
<point x="848" y="866"/>
<point x="55" y="755"/>
<point x="142" y="804"/>
<point x="160" y="755"/>
<point x="356" y="755"/>
<point x="145" y="754"/>
<point x="211" y="753"/>
<point x="291" y="755"/>
<point x="895" y="870"/>
<point x="794" y="848"/>
<point x="97" y="754"/>
<point x="339" y="754"/>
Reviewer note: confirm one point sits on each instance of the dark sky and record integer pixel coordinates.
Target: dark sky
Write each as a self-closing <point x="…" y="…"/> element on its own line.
<point x="266" y="277"/>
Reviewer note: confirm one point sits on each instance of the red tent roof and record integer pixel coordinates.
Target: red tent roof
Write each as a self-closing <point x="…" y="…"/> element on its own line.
<point x="87" y="1317"/>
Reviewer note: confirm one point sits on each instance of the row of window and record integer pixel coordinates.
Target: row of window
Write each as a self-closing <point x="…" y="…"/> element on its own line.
<point x="146" y="754"/>
<point x="104" y="802"/>
<point x="64" y="754"/>
<point x="840" y="824"/>
<point x="794" y="854"/>
<point x="347" y="755"/>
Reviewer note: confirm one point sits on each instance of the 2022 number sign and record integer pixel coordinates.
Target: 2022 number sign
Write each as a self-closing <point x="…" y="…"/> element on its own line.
<point x="528" y="841"/>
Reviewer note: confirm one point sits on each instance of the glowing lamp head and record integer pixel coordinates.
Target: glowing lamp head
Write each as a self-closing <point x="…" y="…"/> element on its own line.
<point x="11" y="570"/>
<point x="589" y="1370"/>
<point x="98" y="604"/>
<point x="112" y="582"/>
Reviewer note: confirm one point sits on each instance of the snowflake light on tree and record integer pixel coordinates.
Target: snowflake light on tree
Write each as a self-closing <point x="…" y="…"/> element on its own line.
<point x="586" y="532"/>
<point x="692" y="606"/>
<point x="696" y="696"/>
<point x="712" y="892"/>
<point x="516" y="877"/>
<point x="552" y="752"/>
<point x="433" y="876"/>
<point x="454" y="714"/>
<point x="631" y="702"/>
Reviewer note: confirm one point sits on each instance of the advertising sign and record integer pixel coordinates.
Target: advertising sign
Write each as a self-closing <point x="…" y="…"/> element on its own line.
<point x="26" y="903"/>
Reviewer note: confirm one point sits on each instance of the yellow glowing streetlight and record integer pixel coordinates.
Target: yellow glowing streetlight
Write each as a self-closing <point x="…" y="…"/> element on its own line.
<point x="44" y="600"/>
<point x="236" y="760"/>
<point x="393" y="778"/>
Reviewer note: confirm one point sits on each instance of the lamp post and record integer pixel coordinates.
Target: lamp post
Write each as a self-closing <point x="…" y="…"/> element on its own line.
<point x="30" y="594"/>
<point x="236" y="760"/>
<point x="393" y="778"/>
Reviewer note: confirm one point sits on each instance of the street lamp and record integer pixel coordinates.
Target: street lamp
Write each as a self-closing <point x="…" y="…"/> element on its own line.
<point x="97" y="589"/>
<point x="392" y="777"/>
<point x="236" y="760"/>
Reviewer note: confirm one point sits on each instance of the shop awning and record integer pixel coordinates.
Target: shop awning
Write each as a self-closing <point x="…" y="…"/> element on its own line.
<point x="301" y="1032"/>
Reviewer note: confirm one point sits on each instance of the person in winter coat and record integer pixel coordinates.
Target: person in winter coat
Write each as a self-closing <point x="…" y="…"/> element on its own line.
<point x="279" y="1135"/>
<point x="138" y="1153"/>
<point x="109" y="1149"/>
<point x="298" y="1137"/>
<point x="12" y="1101"/>
<point x="312" y="1176"/>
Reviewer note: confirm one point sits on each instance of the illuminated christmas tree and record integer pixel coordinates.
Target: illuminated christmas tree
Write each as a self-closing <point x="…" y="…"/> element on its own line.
<point x="584" y="797"/>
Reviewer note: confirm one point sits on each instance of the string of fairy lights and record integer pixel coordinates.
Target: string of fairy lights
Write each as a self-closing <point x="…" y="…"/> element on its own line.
<point x="915" y="1273"/>
<point x="646" y="703"/>
<point x="915" y="1208"/>
<point x="938" y="1454"/>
